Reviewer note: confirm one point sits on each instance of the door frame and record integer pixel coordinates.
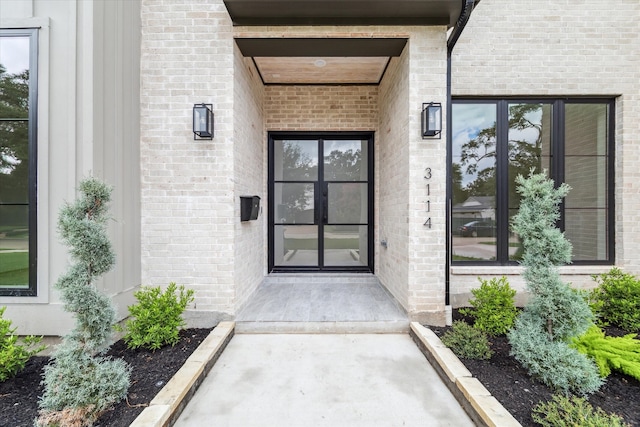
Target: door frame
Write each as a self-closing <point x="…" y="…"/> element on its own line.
<point x="321" y="135"/>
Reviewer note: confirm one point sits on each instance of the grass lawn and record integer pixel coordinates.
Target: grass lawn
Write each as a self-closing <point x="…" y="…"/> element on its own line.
<point x="14" y="269"/>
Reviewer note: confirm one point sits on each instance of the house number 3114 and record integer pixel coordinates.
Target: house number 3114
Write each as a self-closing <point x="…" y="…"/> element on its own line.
<point x="427" y="176"/>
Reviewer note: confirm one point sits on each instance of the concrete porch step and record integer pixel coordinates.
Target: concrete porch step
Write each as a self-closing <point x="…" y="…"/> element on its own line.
<point x="368" y="327"/>
<point x="322" y="303"/>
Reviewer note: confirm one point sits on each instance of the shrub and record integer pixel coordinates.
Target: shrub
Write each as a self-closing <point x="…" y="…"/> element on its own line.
<point x="493" y="307"/>
<point x="555" y="313"/>
<point x="157" y="318"/>
<point x="617" y="353"/>
<point x="13" y="353"/>
<point x="467" y="342"/>
<point x="553" y="363"/>
<point x="564" y="411"/>
<point x="617" y="299"/>
<point x="80" y="383"/>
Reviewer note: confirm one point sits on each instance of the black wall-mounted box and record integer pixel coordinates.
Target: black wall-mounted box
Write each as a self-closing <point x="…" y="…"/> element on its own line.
<point x="249" y="207"/>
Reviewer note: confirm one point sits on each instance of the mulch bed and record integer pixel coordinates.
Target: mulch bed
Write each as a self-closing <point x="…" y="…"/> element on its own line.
<point x="508" y="382"/>
<point x="151" y="370"/>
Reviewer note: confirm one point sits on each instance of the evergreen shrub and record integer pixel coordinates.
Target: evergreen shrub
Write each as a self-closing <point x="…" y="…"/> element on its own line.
<point x="563" y="411"/>
<point x="80" y="382"/>
<point x="157" y="317"/>
<point x="616" y="300"/>
<point x="555" y="313"/>
<point x="610" y="353"/>
<point x="467" y="342"/>
<point x="553" y="363"/>
<point x="493" y="307"/>
<point x="14" y="353"/>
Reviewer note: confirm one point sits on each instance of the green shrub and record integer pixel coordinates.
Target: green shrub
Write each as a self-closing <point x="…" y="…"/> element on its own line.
<point x="13" y="352"/>
<point x="618" y="353"/>
<point x="616" y="300"/>
<point x="157" y="317"/>
<point x="80" y="383"/>
<point x="574" y="411"/>
<point x="553" y="363"/>
<point x="467" y="342"/>
<point x="493" y="309"/>
<point x="555" y="313"/>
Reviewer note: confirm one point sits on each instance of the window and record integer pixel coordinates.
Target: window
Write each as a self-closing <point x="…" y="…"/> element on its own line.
<point x="18" y="88"/>
<point x="493" y="141"/>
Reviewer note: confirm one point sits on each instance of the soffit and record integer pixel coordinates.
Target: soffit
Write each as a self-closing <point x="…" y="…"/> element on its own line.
<point x="344" y="12"/>
<point x="321" y="60"/>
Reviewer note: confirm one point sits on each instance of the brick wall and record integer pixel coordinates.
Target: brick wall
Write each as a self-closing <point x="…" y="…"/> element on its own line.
<point x="249" y="178"/>
<point x="392" y="171"/>
<point x="187" y="190"/>
<point x="558" y="48"/>
<point x="427" y="249"/>
<point x="326" y="108"/>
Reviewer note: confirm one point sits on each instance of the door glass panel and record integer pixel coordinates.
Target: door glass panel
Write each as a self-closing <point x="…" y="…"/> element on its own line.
<point x="295" y="245"/>
<point x="294" y="203"/>
<point x="295" y="160"/>
<point x="345" y="245"/>
<point x="345" y="160"/>
<point x="348" y="203"/>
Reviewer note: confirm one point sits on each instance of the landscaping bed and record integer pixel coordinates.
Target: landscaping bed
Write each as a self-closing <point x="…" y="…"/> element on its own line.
<point x="150" y="371"/>
<point x="508" y="382"/>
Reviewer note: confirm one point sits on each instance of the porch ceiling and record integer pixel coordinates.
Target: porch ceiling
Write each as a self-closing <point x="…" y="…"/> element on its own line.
<point x="321" y="60"/>
<point x="344" y="12"/>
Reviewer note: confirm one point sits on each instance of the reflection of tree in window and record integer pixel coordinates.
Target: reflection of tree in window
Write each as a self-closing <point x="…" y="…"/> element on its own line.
<point x="343" y="165"/>
<point x="14" y="135"/>
<point x="473" y="153"/>
<point x="297" y="198"/>
<point x="524" y="148"/>
<point x="525" y="144"/>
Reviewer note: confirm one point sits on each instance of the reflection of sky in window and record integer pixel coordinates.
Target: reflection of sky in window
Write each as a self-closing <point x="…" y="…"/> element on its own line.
<point x="308" y="149"/>
<point x="468" y="121"/>
<point x="343" y="146"/>
<point x="14" y="54"/>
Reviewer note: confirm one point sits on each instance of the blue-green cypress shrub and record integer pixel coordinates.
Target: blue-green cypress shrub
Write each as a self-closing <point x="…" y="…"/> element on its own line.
<point x="81" y="382"/>
<point x="555" y="313"/>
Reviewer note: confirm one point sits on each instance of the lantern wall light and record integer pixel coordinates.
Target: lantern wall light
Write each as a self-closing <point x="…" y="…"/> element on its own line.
<point x="202" y="121"/>
<point x="431" y="120"/>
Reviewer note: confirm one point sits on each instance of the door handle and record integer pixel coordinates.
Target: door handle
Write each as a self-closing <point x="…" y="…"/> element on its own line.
<point x="325" y="204"/>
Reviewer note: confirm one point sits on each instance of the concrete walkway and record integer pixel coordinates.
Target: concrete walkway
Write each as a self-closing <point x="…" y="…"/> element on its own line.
<point x="322" y="380"/>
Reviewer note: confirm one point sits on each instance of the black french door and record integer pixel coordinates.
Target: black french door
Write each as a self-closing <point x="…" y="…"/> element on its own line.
<point x="320" y="201"/>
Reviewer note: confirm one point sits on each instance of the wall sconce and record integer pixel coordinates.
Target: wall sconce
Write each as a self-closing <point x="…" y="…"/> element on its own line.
<point x="431" y="120"/>
<point x="202" y="121"/>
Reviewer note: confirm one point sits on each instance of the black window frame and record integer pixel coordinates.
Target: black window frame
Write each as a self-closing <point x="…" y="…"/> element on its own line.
<point x="557" y="172"/>
<point x="32" y="34"/>
<point x="321" y="135"/>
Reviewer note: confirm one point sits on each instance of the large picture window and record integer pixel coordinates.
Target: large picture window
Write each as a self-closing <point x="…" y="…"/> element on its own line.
<point x="18" y="89"/>
<point x="494" y="141"/>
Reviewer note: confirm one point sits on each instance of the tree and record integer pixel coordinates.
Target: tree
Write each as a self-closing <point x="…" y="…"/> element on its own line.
<point x="81" y="382"/>
<point x="555" y="312"/>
